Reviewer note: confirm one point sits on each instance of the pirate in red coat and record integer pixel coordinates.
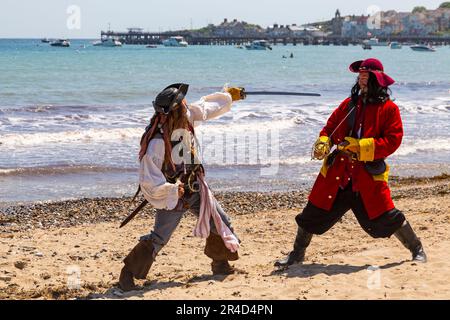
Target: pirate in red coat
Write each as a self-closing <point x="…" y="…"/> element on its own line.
<point x="366" y="128"/>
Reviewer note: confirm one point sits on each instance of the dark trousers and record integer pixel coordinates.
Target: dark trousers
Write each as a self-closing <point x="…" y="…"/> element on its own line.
<point x="318" y="221"/>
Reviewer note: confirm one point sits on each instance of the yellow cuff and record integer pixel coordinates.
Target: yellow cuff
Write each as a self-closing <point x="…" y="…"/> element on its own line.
<point x="324" y="139"/>
<point x="366" y="149"/>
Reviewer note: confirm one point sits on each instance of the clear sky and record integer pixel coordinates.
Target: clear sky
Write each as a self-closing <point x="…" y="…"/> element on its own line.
<point x="48" y="18"/>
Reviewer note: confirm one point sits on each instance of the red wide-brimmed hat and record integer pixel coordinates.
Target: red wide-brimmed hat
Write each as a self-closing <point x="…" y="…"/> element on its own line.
<point x="375" y="67"/>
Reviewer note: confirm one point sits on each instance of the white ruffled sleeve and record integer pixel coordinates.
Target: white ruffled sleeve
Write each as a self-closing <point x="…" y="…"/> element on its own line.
<point x="157" y="191"/>
<point x="209" y="107"/>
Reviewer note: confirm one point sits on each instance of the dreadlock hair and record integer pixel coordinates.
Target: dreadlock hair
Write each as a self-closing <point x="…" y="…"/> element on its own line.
<point x="176" y="119"/>
<point x="375" y="92"/>
<point x="150" y="132"/>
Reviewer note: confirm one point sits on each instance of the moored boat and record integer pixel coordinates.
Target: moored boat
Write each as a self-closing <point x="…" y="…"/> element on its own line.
<point x="374" y="42"/>
<point x="395" y="45"/>
<point x="423" y="48"/>
<point x="109" y="42"/>
<point x="175" y="42"/>
<point x="259" y="45"/>
<point x="60" y="43"/>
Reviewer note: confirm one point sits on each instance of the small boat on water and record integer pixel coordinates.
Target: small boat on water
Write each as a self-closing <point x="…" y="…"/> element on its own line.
<point x="45" y="40"/>
<point x="423" y="48"/>
<point x="259" y="45"/>
<point x="175" y="42"/>
<point x="366" y="46"/>
<point x="395" y="45"/>
<point x="152" y="46"/>
<point x="60" y="43"/>
<point x="109" y="42"/>
<point x="374" y="42"/>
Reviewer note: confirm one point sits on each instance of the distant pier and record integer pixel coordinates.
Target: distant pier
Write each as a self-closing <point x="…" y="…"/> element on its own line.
<point x="140" y="37"/>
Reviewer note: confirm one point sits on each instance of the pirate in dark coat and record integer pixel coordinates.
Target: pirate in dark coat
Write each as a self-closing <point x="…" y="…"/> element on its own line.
<point x="366" y="128"/>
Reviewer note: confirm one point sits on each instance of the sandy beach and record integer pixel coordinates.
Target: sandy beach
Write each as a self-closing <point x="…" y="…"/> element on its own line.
<point x="46" y="248"/>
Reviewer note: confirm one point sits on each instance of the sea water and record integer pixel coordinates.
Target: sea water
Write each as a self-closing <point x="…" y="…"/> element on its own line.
<point x="71" y="118"/>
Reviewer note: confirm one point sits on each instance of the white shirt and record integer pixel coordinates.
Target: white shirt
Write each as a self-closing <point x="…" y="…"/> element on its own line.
<point x="157" y="191"/>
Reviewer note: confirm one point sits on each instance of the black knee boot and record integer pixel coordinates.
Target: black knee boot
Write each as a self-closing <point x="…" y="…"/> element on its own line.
<point x="302" y="241"/>
<point x="409" y="239"/>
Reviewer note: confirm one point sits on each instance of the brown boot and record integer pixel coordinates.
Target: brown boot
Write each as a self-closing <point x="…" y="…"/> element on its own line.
<point x="221" y="267"/>
<point x="126" y="281"/>
<point x="137" y="264"/>
<point x="216" y="249"/>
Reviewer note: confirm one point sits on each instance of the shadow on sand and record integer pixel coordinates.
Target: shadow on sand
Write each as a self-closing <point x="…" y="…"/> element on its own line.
<point x="298" y="270"/>
<point x="313" y="269"/>
<point x="116" y="293"/>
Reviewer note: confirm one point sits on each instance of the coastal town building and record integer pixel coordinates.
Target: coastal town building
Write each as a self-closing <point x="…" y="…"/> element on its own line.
<point x="293" y="30"/>
<point x="278" y="31"/>
<point x="421" y="22"/>
<point x="337" y="23"/>
<point x="419" y="25"/>
<point x="355" y="27"/>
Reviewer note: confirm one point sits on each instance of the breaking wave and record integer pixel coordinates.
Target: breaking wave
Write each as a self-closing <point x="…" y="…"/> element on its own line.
<point x="420" y="146"/>
<point x="128" y="134"/>
<point x="60" y="169"/>
<point x="86" y="136"/>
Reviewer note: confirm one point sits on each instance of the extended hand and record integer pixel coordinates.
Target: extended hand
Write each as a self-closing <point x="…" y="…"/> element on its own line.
<point x="321" y="148"/>
<point x="236" y="93"/>
<point x="350" y="144"/>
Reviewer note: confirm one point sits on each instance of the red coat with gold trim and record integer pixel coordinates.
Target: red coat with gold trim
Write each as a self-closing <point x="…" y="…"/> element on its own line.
<point x="382" y="135"/>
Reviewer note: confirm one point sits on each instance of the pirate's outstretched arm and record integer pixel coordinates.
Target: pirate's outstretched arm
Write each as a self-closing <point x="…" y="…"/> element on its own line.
<point x="212" y="106"/>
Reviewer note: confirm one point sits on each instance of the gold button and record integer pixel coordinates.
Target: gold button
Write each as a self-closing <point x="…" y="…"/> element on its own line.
<point x="330" y="197"/>
<point x="337" y="178"/>
<point x="342" y="159"/>
<point x="349" y="179"/>
<point x="353" y="167"/>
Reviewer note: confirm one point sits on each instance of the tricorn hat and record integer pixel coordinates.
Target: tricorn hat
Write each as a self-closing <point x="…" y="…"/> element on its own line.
<point x="170" y="97"/>
<point x="375" y="67"/>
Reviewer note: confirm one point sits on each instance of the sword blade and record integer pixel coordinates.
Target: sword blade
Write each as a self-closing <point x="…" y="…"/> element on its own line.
<point x="280" y="93"/>
<point x="135" y="212"/>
